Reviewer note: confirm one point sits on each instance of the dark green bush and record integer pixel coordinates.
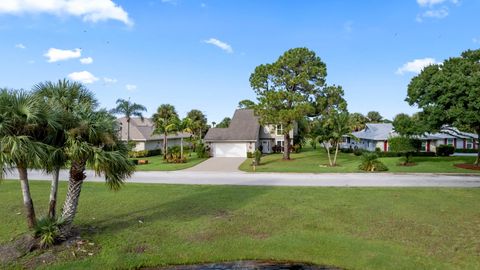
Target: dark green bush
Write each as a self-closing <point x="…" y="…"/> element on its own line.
<point x="144" y="153"/>
<point x="471" y="151"/>
<point x="445" y="150"/>
<point x="297" y="148"/>
<point x="135" y="161"/>
<point x="346" y="150"/>
<point x="258" y="155"/>
<point x="313" y="144"/>
<point x="201" y="150"/>
<point x="48" y="231"/>
<point x="249" y="154"/>
<point x="370" y="163"/>
<point x="358" y="152"/>
<point x="174" y="155"/>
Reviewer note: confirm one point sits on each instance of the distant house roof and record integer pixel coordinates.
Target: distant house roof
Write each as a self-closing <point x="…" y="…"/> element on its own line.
<point x="142" y="130"/>
<point x="383" y="131"/>
<point x="243" y="127"/>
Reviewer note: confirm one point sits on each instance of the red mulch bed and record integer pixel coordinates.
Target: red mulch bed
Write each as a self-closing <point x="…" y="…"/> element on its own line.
<point x="468" y="166"/>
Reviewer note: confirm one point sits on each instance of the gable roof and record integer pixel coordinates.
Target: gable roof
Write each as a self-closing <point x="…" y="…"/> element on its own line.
<point x="243" y="127"/>
<point x="142" y="130"/>
<point x="383" y="131"/>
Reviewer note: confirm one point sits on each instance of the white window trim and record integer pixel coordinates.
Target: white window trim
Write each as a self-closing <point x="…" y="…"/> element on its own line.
<point x="276" y="130"/>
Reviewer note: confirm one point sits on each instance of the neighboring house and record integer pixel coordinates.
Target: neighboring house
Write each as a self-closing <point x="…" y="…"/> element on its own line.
<point x="141" y="134"/>
<point x="244" y="134"/>
<point x="376" y="136"/>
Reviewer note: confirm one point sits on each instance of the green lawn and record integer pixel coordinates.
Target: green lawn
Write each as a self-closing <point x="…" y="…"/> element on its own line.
<point x="315" y="161"/>
<point x="353" y="228"/>
<point x="156" y="163"/>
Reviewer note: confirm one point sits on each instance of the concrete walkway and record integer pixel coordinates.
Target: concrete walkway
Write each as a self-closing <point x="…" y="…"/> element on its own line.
<point x="286" y="179"/>
<point x="218" y="165"/>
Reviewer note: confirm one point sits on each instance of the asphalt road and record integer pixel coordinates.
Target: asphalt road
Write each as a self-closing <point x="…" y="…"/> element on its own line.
<point x="285" y="179"/>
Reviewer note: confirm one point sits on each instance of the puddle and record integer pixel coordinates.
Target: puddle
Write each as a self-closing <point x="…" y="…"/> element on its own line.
<point x="248" y="265"/>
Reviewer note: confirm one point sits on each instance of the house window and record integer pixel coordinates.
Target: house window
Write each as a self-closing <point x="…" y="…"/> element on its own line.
<point x="280" y="143"/>
<point x="469" y="144"/>
<point x="449" y="141"/>
<point x="279" y="130"/>
<point x="424" y="146"/>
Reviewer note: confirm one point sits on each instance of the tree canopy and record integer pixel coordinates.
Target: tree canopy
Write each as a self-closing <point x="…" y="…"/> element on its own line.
<point x="246" y="104"/>
<point x="449" y="93"/>
<point x="224" y="123"/>
<point x="374" y="117"/>
<point x="286" y="89"/>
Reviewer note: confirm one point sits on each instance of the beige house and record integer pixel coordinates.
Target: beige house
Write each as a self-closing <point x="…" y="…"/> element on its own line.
<point x="245" y="134"/>
<point x="141" y="134"/>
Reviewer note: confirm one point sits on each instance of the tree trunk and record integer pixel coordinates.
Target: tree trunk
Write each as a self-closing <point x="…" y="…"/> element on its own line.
<point x="53" y="194"/>
<point x="165" y="146"/>
<point x="181" y="147"/>
<point x="128" y="130"/>
<point x="336" y="153"/>
<point x="75" y="181"/>
<point x="477" y="162"/>
<point x="27" y="197"/>
<point x="286" y="146"/>
<point x="327" y="147"/>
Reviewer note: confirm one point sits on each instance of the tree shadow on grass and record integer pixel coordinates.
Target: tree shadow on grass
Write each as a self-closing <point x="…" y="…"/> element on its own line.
<point x="205" y="201"/>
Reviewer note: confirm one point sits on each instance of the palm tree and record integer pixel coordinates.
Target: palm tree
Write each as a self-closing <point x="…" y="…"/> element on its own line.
<point x="183" y="126"/>
<point x="165" y="121"/>
<point x="94" y="143"/>
<point x="65" y="97"/>
<point x="24" y="120"/>
<point x="129" y="109"/>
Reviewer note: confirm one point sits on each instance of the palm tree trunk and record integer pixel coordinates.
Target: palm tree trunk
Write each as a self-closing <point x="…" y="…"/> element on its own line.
<point x="27" y="197"/>
<point x="336" y="153"/>
<point x="128" y="130"/>
<point x="286" y="146"/>
<point x="165" y="146"/>
<point x="75" y="181"/>
<point x="181" y="147"/>
<point x="53" y="194"/>
<point x="327" y="147"/>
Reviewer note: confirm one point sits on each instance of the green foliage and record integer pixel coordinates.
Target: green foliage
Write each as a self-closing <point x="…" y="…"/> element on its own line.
<point x="249" y="154"/>
<point x="313" y="143"/>
<point x="144" y="153"/>
<point x="198" y="124"/>
<point x="448" y="93"/>
<point x="374" y="117"/>
<point x="370" y="163"/>
<point x="175" y="156"/>
<point x="408" y="126"/>
<point x="48" y="231"/>
<point x="246" y="104"/>
<point x="358" y="152"/>
<point x="285" y="89"/>
<point x="201" y="150"/>
<point x="403" y="145"/>
<point x="470" y="151"/>
<point x="445" y="150"/>
<point x="224" y="123"/>
<point x="297" y="148"/>
<point x="258" y="156"/>
<point x="357" y="121"/>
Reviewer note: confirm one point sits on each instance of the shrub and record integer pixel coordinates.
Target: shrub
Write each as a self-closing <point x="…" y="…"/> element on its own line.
<point x="48" y="231"/>
<point x="358" y="152"/>
<point x="174" y="155"/>
<point x="346" y="150"/>
<point x="276" y="148"/>
<point x="258" y="155"/>
<point x="201" y="150"/>
<point x="414" y="154"/>
<point x="144" y="153"/>
<point x="313" y="144"/>
<point x="297" y="148"/>
<point x="135" y="161"/>
<point x="370" y="163"/>
<point x="445" y="150"/>
<point x="471" y="151"/>
<point x="249" y="154"/>
<point x="405" y="146"/>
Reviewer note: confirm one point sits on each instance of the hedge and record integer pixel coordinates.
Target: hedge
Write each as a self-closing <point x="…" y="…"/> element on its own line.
<point x="144" y="153"/>
<point x="473" y="151"/>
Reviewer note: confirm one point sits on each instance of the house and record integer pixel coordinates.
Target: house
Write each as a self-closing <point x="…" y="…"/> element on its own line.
<point x="375" y="136"/>
<point x="141" y="134"/>
<point x="245" y="134"/>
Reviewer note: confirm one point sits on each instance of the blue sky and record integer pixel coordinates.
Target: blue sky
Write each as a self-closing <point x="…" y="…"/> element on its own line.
<point x="200" y="54"/>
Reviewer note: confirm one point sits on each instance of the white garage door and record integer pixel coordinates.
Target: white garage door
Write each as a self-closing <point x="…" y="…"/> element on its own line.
<point x="230" y="150"/>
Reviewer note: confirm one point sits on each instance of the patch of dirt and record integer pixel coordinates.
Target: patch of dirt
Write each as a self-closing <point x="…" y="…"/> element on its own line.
<point x="137" y="249"/>
<point x="410" y="164"/>
<point x="247" y="265"/>
<point x="468" y="166"/>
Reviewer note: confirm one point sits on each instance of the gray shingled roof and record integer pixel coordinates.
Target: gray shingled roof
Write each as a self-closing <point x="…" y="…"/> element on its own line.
<point x="383" y="131"/>
<point x="243" y="127"/>
<point x="142" y="131"/>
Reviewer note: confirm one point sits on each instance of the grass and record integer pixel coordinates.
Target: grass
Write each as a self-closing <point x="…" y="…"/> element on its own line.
<point x="157" y="163"/>
<point x="353" y="228"/>
<point x="314" y="161"/>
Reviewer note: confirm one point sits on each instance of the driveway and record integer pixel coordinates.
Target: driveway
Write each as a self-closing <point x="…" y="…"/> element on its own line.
<point x="284" y="179"/>
<point x="218" y="164"/>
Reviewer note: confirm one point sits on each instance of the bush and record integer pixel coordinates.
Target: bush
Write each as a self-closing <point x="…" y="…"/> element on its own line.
<point x="346" y="150"/>
<point x="135" y="161"/>
<point x="276" y="149"/>
<point x="297" y="148"/>
<point x="370" y="163"/>
<point x="202" y="150"/>
<point x="378" y="150"/>
<point x="48" y="231"/>
<point x="249" y="154"/>
<point x="313" y="144"/>
<point x="414" y="154"/>
<point x="144" y="153"/>
<point x="445" y="150"/>
<point x="258" y="155"/>
<point x="358" y="152"/>
<point x="174" y="155"/>
<point x="404" y="145"/>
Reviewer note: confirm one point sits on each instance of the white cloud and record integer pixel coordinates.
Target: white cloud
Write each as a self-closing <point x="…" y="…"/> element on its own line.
<point x="436" y="13"/>
<point x="55" y="55"/>
<point x="83" y="77"/>
<point x="430" y="3"/>
<point x="109" y="80"/>
<point x="131" y="87"/>
<point x="86" y="60"/>
<point x="220" y="44"/>
<point x="20" y="46"/>
<point x="416" y="66"/>
<point x="88" y="10"/>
